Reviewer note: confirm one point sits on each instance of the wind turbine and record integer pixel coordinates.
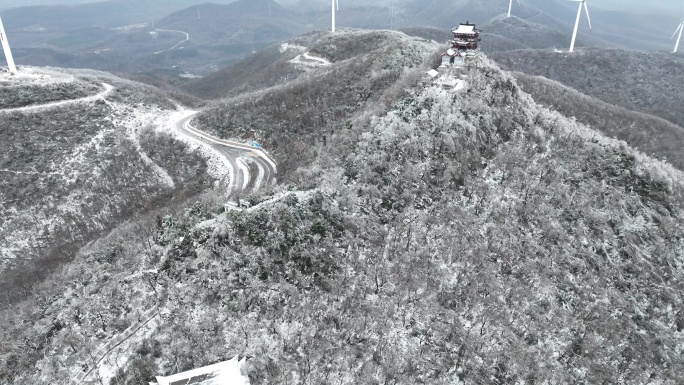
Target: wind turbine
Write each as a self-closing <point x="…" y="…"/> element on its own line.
<point x="579" y="14"/>
<point x="335" y="4"/>
<point x="679" y="29"/>
<point x="6" y="48"/>
<point x="510" y="6"/>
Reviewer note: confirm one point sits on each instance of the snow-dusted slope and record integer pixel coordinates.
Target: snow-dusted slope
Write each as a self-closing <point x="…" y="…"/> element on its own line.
<point x="74" y="167"/>
<point x="431" y="235"/>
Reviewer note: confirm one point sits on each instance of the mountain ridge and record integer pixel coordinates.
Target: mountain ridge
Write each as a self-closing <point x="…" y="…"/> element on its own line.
<point x="641" y="81"/>
<point x="419" y="235"/>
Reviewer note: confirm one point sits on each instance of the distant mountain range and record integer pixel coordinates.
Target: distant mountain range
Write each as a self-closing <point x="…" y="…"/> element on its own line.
<point x="646" y="82"/>
<point x="102" y="14"/>
<point x="212" y="35"/>
<point x="116" y="35"/>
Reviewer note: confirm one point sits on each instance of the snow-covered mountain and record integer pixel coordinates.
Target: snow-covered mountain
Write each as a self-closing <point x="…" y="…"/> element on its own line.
<point x="82" y="152"/>
<point x="419" y="233"/>
<point x="640" y="92"/>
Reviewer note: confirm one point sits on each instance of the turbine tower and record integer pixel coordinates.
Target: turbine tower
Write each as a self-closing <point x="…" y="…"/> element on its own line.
<point x="680" y="29"/>
<point x="510" y="6"/>
<point x="6" y="48"/>
<point x="579" y="15"/>
<point x="335" y="7"/>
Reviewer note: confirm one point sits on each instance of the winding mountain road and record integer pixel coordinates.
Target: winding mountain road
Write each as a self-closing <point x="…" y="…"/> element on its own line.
<point x="240" y="156"/>
<point x="187" y="37"/>
<point x="100" y="95"/>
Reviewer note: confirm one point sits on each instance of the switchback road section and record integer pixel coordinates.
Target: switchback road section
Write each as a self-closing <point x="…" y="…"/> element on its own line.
<point x="240" y="156"/>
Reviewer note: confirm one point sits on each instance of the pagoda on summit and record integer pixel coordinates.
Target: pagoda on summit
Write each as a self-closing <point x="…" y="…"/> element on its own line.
<point x="465" y="44"/>
<point x="466" y="37"/>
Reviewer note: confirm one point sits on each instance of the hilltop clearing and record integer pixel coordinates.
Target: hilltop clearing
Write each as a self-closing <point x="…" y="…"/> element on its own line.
<point x="38" y="87"/>
<point x="423" y="235"/>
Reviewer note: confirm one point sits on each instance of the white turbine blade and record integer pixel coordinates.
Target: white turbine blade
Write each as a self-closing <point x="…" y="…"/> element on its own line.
<point x="586" y="8"/>
<point x="337" y="2"/>
<point x="519" y="2"/>
<point x="510" y="5"/>
<point x="677" y="30"/>
<point x="6" y="48"/>
<point x="574" y="32"/>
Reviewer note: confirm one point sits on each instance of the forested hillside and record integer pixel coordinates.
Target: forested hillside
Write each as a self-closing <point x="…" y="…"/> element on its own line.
<point x="525" y="33"/>
<point x="70" y="172"/>
<point x="650" y="134"/>
<point x="643" y="81"/>
<point x="365" y="72"/>
<point x="425" y="236"/>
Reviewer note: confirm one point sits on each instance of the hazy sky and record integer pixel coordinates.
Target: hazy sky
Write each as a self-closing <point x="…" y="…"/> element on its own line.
<point x="647" y="6"/>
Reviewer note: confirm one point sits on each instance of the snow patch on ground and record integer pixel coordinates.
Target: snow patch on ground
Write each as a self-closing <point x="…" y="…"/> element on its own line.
<point x="119" y="356"/>
<point x="308" y="60"/>
<point x="301" y="196"/>
<point x="287" y="47"/>
<point x="164" y="176"/>
<point x="189" y="76"/>
<point x="131" y="119"/>
<point x="101" y="95"/>
<point x="69" y="168"/>
<point x="27" y="76"/>
<point x="260" y="175"/>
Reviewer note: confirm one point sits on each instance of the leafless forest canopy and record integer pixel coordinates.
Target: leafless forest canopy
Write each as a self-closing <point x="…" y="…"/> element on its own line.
<point x="417" y="235"/>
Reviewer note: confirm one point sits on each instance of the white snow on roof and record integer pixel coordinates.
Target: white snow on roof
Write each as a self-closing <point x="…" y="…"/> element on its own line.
<point x="465" y="29"/>
<point x="222" y="373"/>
